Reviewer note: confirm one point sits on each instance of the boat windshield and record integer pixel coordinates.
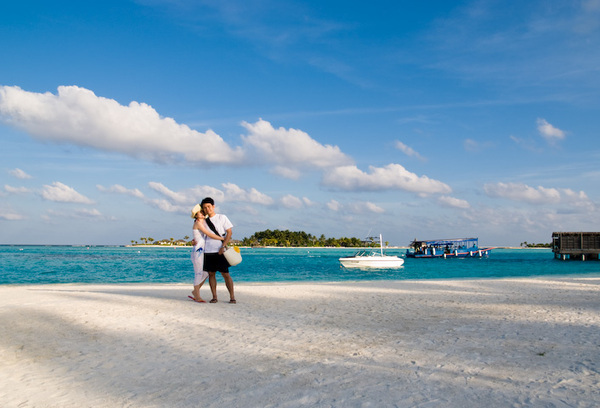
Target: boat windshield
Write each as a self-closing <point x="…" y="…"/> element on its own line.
<point x="367" y="252"/>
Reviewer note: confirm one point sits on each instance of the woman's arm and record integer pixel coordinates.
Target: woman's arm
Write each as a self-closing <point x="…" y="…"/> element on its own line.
<point x="201" y="224"/>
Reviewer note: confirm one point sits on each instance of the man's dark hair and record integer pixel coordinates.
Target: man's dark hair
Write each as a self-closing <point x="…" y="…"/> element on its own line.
<point x="208" y="200"/>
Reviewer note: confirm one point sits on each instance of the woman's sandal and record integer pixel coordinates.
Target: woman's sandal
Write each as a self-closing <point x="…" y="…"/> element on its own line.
<point x="213" y="301"/>
<point x="232" y="301"/>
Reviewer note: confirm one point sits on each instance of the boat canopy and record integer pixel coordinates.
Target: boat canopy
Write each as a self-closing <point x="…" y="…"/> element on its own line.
<point x="457" y="243"/>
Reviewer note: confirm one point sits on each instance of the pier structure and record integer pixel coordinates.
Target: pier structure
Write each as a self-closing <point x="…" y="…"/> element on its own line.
<point x="576" y="245"/>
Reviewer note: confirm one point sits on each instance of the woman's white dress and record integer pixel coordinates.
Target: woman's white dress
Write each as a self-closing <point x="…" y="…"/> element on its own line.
<point x="198" y="257"/>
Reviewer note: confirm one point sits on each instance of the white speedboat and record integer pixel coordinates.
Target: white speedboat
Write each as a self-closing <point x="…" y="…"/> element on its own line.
<point x="370" y="258"/>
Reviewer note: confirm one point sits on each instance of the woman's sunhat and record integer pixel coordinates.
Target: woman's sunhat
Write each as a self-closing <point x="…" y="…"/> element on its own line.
<point x="196" y="210"/>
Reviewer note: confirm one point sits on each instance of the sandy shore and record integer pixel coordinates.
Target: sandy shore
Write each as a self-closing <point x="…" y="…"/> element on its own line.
<point x="469" y="343"/>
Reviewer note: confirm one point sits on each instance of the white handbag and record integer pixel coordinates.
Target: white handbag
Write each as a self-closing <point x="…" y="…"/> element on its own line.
<point x="233" y="256"/>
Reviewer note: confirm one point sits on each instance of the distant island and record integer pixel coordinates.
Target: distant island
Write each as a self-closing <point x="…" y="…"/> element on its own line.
<point x="287" y="238"/>
<point x="278" y="238"/>
<point x="271" y="238"/>
<point x="531" y="245"/>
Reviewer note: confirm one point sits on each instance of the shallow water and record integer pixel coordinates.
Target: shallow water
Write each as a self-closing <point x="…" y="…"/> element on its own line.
<point x="65" y="264"/>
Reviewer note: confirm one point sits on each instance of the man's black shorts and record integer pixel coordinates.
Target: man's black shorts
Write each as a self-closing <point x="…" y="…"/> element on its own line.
<point x="215" y="262"/>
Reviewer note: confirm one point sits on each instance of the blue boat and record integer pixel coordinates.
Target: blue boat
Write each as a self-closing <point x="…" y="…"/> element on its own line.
<point x="447" y="248"/>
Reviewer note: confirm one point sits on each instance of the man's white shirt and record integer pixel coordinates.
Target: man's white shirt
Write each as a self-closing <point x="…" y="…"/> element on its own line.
<point x="222" y="224"/>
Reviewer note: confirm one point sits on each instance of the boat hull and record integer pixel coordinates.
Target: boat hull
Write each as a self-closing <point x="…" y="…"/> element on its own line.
<point x="374" y="262"/>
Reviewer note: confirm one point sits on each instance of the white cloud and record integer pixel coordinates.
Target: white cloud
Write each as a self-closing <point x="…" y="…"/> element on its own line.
<point x="308" y="202"/>
<point x="374" y="208"/>
<point x="119" y="189"/>
<point x="81" y="213"/>
<point x="76" y="115"/>
<point x="290" y="149"/>
<point x="167" y="206"/>
<point x="62" y="193"/>
<point x="188" y="196"/>
<point x="360" y="208"/>
<point x="177" y="197"/>
<point x="526" y="144"/>
<point x="453" y="202"/>
<point x="179" y="201"/>
<point x="88" y="213"/>
<point x="286" y="172"/>
<point x="334" y="205"/>
<point x="292" y="202"/>
<point x="252" y="195"/>
<point x="409" y="151"/>
<point x="390" y="177"/>
<point x="20" y="174"/>
<point x="549" y="132"/>
<point x="9" y="215"/>
<point x="540" y="195"/>
<point x="16" y="190"/>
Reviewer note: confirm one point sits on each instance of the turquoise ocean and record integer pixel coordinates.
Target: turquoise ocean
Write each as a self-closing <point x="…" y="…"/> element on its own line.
<point x="105" y="264"/>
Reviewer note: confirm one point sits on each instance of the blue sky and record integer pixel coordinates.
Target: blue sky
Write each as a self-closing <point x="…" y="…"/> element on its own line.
<point x="425" y="120"/>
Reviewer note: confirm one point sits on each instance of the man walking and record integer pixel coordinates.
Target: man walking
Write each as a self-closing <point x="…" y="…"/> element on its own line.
<point x="214" y="260"/>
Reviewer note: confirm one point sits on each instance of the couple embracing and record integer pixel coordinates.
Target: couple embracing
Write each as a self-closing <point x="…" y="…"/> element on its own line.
<point x="212" y="232"/>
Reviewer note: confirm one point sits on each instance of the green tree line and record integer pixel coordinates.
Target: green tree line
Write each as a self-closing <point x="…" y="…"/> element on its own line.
<point x="288" y="238"/>
<point x="532" y="245"/>
<point x="277" y="238"/>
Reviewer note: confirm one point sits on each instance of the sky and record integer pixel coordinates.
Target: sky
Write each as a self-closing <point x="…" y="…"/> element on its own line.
<point x="426" y="120"/>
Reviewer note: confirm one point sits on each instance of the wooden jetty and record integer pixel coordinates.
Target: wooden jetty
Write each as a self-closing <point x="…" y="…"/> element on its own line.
<point x="576" y="245"/>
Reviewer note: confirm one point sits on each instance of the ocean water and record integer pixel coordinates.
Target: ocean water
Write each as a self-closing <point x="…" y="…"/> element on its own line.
<point x="65" y="264"/>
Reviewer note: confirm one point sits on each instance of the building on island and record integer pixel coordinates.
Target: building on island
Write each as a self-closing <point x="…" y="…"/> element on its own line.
<point x="576" y="245"/>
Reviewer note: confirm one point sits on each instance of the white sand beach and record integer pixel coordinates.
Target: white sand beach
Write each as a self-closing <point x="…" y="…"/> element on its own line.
<point x="466" y="343"/>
